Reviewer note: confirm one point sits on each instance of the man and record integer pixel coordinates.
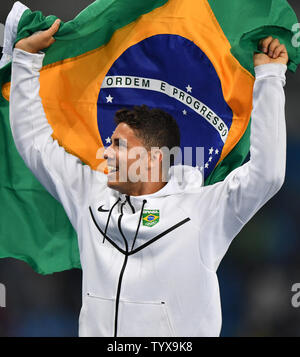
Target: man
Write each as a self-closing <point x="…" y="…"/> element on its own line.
<point x="150" y="250"/>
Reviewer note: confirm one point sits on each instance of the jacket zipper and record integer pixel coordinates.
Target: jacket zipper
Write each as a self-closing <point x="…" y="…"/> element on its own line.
<point x="121" y="273"/>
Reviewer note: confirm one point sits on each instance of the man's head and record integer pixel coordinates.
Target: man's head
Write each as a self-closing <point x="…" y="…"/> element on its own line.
<point x="135" y="156"/>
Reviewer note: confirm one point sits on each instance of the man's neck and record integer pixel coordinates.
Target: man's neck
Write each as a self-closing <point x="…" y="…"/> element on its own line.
<point x="145" y="189"/>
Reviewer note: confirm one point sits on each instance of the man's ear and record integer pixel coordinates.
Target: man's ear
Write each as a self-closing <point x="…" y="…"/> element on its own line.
<point x="156" y="155"/>
<point x="155" y="164"/>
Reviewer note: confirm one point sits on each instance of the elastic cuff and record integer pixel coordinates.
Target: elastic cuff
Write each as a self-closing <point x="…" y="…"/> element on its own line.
<point x="34" y="60"/>
<point x="270" y="70"/>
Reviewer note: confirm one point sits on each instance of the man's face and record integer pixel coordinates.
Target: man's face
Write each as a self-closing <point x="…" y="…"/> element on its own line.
<point x="127" y="160"/>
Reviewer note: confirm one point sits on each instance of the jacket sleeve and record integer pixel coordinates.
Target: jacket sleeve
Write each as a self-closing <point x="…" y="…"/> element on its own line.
<point x="245" y="190"/>
<point x="62" y="174"/>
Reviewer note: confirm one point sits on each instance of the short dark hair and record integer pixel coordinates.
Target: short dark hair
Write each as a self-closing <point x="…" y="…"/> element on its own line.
<point x="154" y="127"/>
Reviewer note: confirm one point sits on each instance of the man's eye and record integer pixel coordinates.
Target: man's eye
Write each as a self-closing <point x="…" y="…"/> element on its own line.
<point x="123" y="143"/>
<point x="120" y="143"/>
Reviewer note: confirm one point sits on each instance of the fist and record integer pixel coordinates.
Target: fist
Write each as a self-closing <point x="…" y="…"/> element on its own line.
<point x="39" y="40"/>
<point x="274" y="52"/>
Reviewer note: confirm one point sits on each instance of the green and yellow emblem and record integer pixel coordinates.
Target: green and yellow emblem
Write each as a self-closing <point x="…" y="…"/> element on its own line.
<point x="150" y="217"/>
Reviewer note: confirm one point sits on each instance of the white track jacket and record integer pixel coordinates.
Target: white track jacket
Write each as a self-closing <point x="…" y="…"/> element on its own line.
<point x="160" y="280"/>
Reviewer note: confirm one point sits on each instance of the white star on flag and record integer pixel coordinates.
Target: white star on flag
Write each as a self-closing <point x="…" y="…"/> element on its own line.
<point x="211" y="150"/>
<point x="109" y="99"/>
<point x="189" y="89"/>
<point x="184" y="112"/>
<point x="201" y="168"/>
<point x="108" y="141"/>
<point x="206" y="165"/>
<point x="210" y="159"/>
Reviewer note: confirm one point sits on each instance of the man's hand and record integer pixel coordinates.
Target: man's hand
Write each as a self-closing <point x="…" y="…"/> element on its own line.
<point x="39" y="40"/>
<point x="274" y="52"/>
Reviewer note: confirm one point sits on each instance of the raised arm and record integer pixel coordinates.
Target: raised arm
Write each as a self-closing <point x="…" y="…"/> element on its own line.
<point x="253" y="184"/>
<point x="233" y="202"/>
<point x="61" y="173"/>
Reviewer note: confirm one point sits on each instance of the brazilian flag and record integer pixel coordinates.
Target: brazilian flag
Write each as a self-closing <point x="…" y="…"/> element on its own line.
<point x="192" y="58"/>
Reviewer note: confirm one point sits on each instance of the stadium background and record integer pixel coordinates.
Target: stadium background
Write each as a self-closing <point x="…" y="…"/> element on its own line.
<point x="256" y="275"/>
